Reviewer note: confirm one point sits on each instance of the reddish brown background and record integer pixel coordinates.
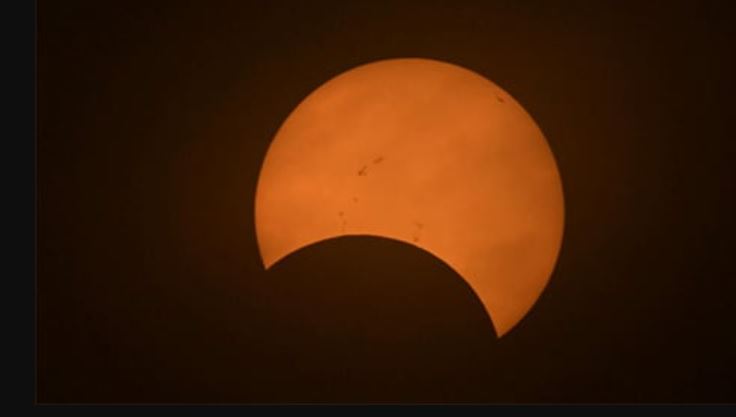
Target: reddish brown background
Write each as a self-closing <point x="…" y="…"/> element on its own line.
<point x="153" y="118"/>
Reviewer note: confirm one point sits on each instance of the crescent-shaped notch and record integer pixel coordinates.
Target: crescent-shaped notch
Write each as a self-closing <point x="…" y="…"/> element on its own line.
<point x="424" y="152"/>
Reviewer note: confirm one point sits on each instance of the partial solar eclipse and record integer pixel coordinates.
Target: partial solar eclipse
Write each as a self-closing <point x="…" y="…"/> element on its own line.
<point x="427" y="153"/>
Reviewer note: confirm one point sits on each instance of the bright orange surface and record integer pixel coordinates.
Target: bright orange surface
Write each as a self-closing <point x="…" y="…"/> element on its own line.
<point x="424" y="152"/>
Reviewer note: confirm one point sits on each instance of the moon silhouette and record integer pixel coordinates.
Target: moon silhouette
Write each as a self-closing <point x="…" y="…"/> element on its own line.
<point x="424" y="152"/>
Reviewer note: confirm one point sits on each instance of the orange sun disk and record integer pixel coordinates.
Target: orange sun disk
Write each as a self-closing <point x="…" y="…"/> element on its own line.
<point x="424" y="152"/>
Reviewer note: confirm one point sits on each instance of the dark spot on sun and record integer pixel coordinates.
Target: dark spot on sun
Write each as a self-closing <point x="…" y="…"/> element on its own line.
<point x="378" y="160"/>
<point x="500" y="99"/>
<point x="415" y="236"/>
<point x="363" y="171"/>
<point x="340" y="214"/>
<point x="355" y="199"/>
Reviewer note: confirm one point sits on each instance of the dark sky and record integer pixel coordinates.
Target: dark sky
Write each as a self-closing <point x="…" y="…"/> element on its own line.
<point x="154" y="117"/>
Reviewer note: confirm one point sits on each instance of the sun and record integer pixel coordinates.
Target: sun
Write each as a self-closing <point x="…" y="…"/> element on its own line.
<point x="428" y="153"/>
